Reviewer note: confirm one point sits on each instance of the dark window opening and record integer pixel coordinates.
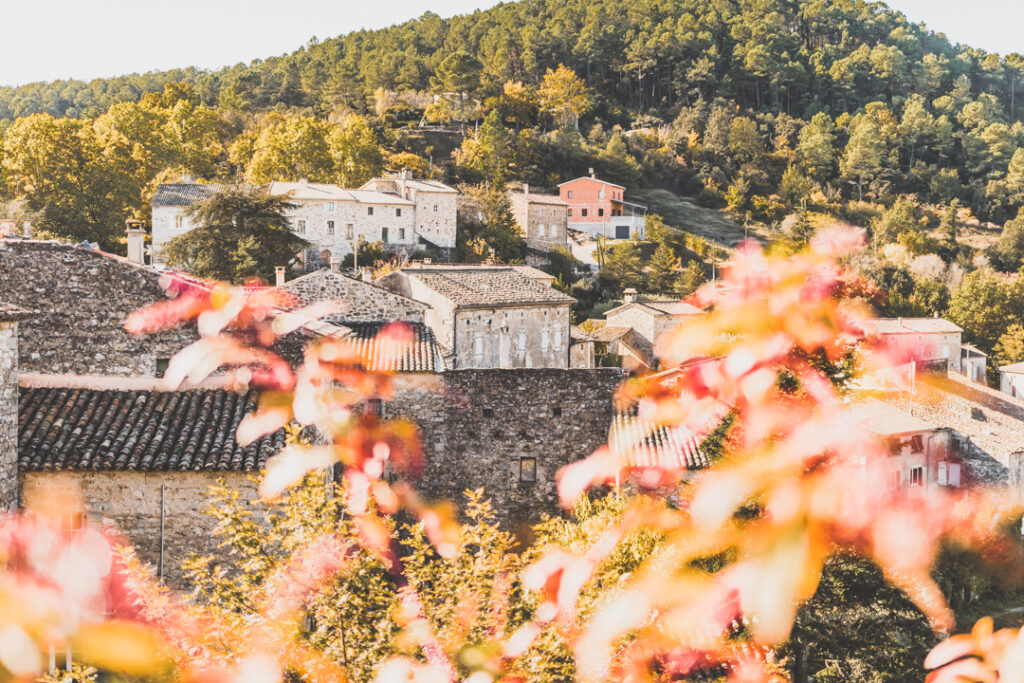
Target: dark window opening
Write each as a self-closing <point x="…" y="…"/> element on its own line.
<point x="583" y="212"/>
<point x="557" y="411"/>
<point x="527" y="470"/>
<point x="600" y="212"/>
<point x="161" y="366"/>
<point x="488" y="412"/>
<point x="916" y="443"/>
<point x="917" y="476"/>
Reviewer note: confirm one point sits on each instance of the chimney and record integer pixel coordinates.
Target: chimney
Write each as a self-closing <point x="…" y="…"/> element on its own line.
<point x="280" y="273"/>
<point x="335" y="264"/>
<point x="26" y="229"/>
<point x="590" y="171"/>
<point x="526" y="191"/>
<point x="899" y="322"/>
<point x="403" y="182"/>
<point x="629" y="295"/>
<point x="136" y="242"/>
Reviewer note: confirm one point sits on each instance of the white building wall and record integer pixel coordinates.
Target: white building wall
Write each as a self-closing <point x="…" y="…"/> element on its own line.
<point x="435" y="217"/>
<point x="512" y="337"/>
<point x="317" y="215"/>
<point x="637" y="225"/>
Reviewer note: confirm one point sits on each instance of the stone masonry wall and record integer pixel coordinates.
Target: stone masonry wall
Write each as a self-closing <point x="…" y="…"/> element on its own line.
<point x="513" y="337"/>
<point x="79" y="299"/>
<point x="362" y="301"/>
<point x="477" y="425"/>
<point x="543" y="224"/>
<point x="130" y="502"/>
<point x="8" y="414"/>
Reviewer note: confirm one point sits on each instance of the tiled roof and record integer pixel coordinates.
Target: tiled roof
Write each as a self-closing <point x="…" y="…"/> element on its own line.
<point x="489" y="286"/>
<point x="911" y="326"/>
<point x="10" y="312"/>
<point x="885" y="420"/>
<point x="183" y="194"/>
<point x="534" y="273"/>
<point x="610" y="333"/>
<point x="429" y="186"/>
<point x="577" y="333"/>
<point x="421" y="354"/>
<point x="640" y="444"/>
<point x="537" y="198"/>
<point x="659" y="308"/>
<point x="68" y="428"/>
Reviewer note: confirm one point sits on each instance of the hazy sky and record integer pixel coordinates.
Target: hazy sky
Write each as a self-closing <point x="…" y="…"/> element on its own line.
<point x="51" y="39"/>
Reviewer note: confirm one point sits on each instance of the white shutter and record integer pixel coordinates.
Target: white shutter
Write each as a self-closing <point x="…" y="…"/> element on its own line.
<point x="943" y="474"/>
<point x="954" y="474"/>
<point x="544" y="340"/>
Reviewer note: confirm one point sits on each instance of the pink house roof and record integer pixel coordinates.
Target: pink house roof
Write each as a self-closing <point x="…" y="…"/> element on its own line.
<point x="596" y="180"/>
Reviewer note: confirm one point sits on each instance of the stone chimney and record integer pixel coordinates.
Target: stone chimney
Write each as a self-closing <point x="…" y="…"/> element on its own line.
<point x="629" y="295"/>
<point x="9" y="317"/>
<point x="335" y="264"/>
<point x="136" y="242"/>
<point x="280" y="273"/>
<point x="590" y="171"/>
<point x="367" y="274"/>
<point x="403" y="182"/>
<point x="526" y="191"/>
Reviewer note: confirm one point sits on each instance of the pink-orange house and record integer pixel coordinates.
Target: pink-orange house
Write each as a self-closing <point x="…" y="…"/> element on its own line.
<point x="597" y="207"/>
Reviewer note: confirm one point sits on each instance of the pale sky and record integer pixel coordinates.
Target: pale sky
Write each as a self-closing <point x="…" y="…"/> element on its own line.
<point x="56" y="39"/>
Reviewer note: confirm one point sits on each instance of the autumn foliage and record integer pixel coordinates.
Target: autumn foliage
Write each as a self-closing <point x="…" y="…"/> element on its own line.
<point x="726" y="567"/>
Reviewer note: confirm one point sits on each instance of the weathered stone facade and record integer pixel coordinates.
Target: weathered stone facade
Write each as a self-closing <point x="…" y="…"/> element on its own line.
<point x="362" y="301"/>
<point x="79" y="299"/>
<point x="8" y="411"/>
<point x="541" y="218"/>
<point x="477" y="426"/>
<point x="435" y="205"/>
<point x="131" y="503"/>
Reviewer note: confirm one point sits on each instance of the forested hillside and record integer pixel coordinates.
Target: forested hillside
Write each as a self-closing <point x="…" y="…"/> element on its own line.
<point x="784" y="114"/>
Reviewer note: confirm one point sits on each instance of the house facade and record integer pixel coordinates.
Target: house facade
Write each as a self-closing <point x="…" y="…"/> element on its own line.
<point x="401" y="213"/>
<point x="597" y="207"/>
<point x="490" y="316"/>
<point x="542" y="219"/>
<point x="637" y="325"/>
<point x="434" y="206"/>
<point x="934" y="343"/>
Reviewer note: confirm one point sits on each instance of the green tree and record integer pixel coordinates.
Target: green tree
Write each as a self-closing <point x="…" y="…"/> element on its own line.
<point x="355" y="152"/>
<point x="795" y="187"/>
<point x="292" y="148"/>
<point x="815" y="152"/>
<point x="624" y="267"/>
<point x="692" y="277"/>
<point x="489" y="152"/>
<point x="745" y="143"/>
<point x="456" y="82"/>
<point x="564" y="96"/>
<point x="1009" y="348"/>
<point x="240" y="233"/>
<point x="862" y="160"/>
<point x="662" y="270"/>
<point x="979" y="306"/>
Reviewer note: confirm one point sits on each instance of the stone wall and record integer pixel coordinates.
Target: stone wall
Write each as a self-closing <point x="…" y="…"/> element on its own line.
<point x="363" y="302"/>
<point x="513" y="337"/>
<point x="130" y="502"/>
<point x="353" y="220"/>
<point x="542" y="223"/>
<point x="8" y="414"/>
<point x="79" y="299"/>
<point x="477" y="425"/>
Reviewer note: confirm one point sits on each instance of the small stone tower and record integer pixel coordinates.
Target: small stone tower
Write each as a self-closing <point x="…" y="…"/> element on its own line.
<point x="9" y="318"/>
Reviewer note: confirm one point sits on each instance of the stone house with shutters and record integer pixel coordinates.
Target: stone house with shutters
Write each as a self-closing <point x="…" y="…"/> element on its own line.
<point x="434" y="206"/>
<point x="490" y="316"/>
<point x="631" y="331"/>
<point x="935" y="343"/>
<point x="542" y="219"/>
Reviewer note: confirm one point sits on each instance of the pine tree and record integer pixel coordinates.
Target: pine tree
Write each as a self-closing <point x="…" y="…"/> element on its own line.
<point x="662" y="270"/>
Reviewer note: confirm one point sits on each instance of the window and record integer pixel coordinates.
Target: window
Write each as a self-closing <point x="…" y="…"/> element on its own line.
<point x="541" y="229"/>
<point x="916" y="443"/>
<point x="521" y="349"/>
<point x="558" y="337"/>
<point x="300" y="226"/>
<point x="583" y="212"/>
<point x="570" y="194"/>
<point x="488" y="412"/>
<point x="917" y="475"/>
<point x="544" y="340"/>
<point x="600" y="212"/>
<point x="374" y="406"/>
<point x="349" y="231"/>
<point x="330" y="206"/>
<point x="179" y="221"/>
<point x="401" y="233"/>
<point x="568" y="212"/>
<point x="330" y="228"/>
<point x="369" y="211"/>
<point x="398" y="212"/>
<point x="600" y="194"/>
<point x="161" y="366"/>
<point x="435" y="208"/>
<point x="556" y="411"/>
<point x="527" y="470"/>
<point x="383" y="234"/>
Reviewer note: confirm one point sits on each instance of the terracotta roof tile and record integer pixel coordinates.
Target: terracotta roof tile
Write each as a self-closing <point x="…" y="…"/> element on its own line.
<point x="421" y="354"/>
<point x="74" y="428"/>
<point x="642" y="444"/>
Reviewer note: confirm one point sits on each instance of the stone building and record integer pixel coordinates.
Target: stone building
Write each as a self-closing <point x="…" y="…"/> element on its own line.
<point x="632" y="330"/>
<point x="402" y="213"/>
<point x="360" y="301"/>
<point x="542" y="219"/>
<point x="434" y="206"/>
<point x="507" y="431"/>
<point x="10" y="317"/>
<point x="596" y="207"/>
<point x="141" y="458"/>
<point x="490" y="316"/>
<point x="934" y="342"/>
<point x="79" y="299"/>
